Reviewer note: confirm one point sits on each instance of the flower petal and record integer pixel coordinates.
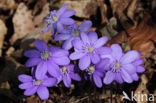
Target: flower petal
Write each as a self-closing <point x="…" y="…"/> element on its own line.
<point x="135" y="77"/>
<point x="92" y="36"/>
<point x="67" y="21"/>
<point x="138" y="62"/>
<point x="84" y="37"/>
<point x="67" y="81"/>
<point x="40" y="45"/>
<point x="43" y="92"/>
<point x="140" y="69"/>
<point x="97" y="80"/>
<point x="53" y="69"/>
<point x="95" y="58"/>
<point x="99" y="73"/>
<point x="103" y="50"/>
<point x="85" y="26"/>
<point x="60" y="27"/>
<point x="32" y="62"/>
<point x="62" y="37"/>
<point x="84" y="62"/>
<point x="64" y="60"/>
<point x="41" y="70"/>
<point x="110" y="76"/>
<point x="129" y="57"/>
<point x="103" y="65"/>
<point x="118" y="78"/>
<point x="100" y="42"/>
<point x="68" y="13"/>
<point x="67" y="44"/>
<point x="77" y="43"/>
<point x="76" y="55"/>
<point x="50" y="26"/>
<point x="30" y="91"/>
<point x="32" y="53"/>
<point x="126" y="77"/>
<point x="62" y="9"/>
<point x="24" y="78"/>
<point x="49" y="82"/>
<point x="75" y="76"/>
<point x="26" y="85"/>
<point x="116" y="51"/>
<point x="58" y="52"/>
<point x="130" y="68"/>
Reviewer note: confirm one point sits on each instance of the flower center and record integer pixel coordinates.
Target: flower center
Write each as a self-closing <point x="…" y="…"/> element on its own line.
<point x="55" y="19"/>
<point x="36" y="82"/>
<point x="76" y="33"/>
<point x="64" y="69"/>
<point x="90" y="49"/>
<point x="45" y="55"/>
<point x="116" y="67"/>
<point x="91" y="68"/>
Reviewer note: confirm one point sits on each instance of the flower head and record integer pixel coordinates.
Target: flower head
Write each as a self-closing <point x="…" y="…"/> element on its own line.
<point x="89" y="49"/>
<point x="73" y="32"/>
<point x="121" y="67"/>
<point x="57" y="19"/>
<point x="46" y="59"/>
<point x="33" y="85"/>
<point x="96" y="72"/>
<point x="67" y="73"/>
<point x="139" y="69"/>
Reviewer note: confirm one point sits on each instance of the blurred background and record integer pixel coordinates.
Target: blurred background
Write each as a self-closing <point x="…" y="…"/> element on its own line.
<point x="131" y="23"/>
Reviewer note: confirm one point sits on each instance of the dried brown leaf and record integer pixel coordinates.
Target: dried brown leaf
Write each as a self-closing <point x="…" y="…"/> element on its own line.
<point x="7" y="4"/>
<point x="39" y="18"/>
<point x="118" y="7"/>
<point x="3" y="31"/>
<point x="83" y="8"/>
<point x="140" y="38"/>
<point x="142" y="89"/>
<point x="22" y="22"/>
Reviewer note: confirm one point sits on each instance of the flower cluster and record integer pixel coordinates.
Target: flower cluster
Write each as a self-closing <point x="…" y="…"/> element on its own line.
<point x="100" y="64"/>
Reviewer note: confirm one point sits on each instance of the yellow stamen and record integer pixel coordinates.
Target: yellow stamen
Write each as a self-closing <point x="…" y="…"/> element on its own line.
<point x="117" y="65"/>
<point x="55" y="19"/>
<point x="38" y="82"/>
<point x="46" y="55"/>
<point x="91" y="68"/>
<point x="64" y="69"/>
<point x="90" y="49"/>
<point x="76" y="33"/>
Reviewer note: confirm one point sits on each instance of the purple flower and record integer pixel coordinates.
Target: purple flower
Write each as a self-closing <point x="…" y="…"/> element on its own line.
<point x="46" y="60"/>
<point x="58" y="18"/>
<point x="89" y="49"/>
<point x="121" y="65"/>
<point x="96" y="72"/>
<point x="139" y="69"/>
<point x="73" y="32"/>
<point x="67" y="73"/>
<point x="32" y="85"/>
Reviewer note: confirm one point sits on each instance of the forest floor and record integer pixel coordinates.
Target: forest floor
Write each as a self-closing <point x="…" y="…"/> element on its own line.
<point x="130" y="23"/>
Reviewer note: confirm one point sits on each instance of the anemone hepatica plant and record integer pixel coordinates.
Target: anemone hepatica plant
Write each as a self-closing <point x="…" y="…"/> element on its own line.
<point x="67" y="73"/>
<point x="73" y="32"/>
<point x="97" y="62"/>
<point x="46" y="59"/>
<point x="88" y="49"/>
<point x="57" y="19"/>
<point x="122" y="66"/>
<point x="33" y="85"/>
